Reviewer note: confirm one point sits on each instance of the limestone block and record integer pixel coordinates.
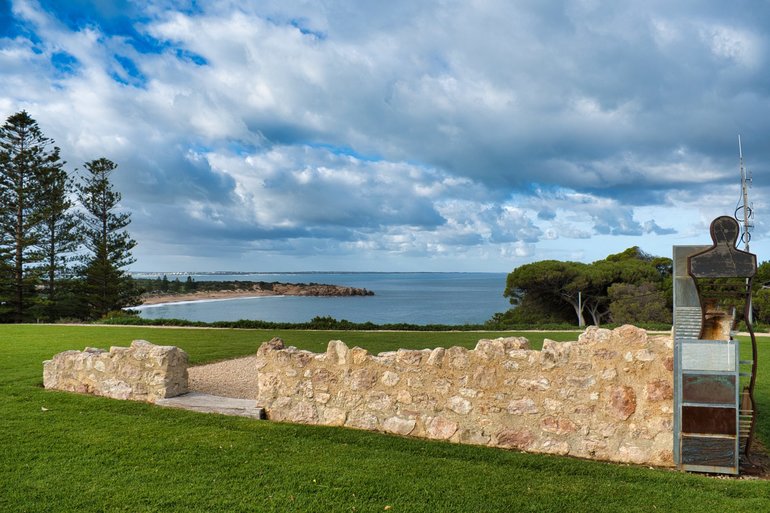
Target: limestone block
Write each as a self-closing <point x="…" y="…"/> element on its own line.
<point x="609" y="374"/>
<point x="441" y="428"/>
<point x="474" y="437"/>
<point x="645" y="355"/>
<point x="323" y="378"/>
<point x="442" y="386"/>
<point x="581" y="381"/>
<point x="362" y="419"/>
<point x="534" y="384"/>
<point x="358" y="355"/>
<point x="522" y="406"/>
<point x="628" y="453"/>
<point x="363" y="379"/>
<point x="436" y="358"/>
<point x="549" y="446"/>
<point x="496" y="348"/>
<point x="554" y="353"/>
<point x="605" y="354"/>
<point x="515" y="438"/>
<point x="379" y="401"/>
<point x="557" y="425"/>
<point x="337" y="352"/>
<point x="594" y="335"/>
<point x="484" y="377"/>
<point x="458" y="357"/>
<point x="409" y="357"/>
<point x="415" y="382"/>
<point x="399" y="426"/>
<point x="660" y="390"/>
<point x="630" y="336"/>
<point x="389" y="378"/>
<point x="403" y="396"/>
<point x="333" y="417"/>
<point x="622" y="403"/>
<point x="300" y="359"/>
<point x="303" y="413"/>
<point x="459" y="405"/>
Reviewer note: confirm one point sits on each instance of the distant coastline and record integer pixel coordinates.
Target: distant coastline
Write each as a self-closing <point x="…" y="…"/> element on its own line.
<point x="254" y="290"/>
<point x="416" y="298"/>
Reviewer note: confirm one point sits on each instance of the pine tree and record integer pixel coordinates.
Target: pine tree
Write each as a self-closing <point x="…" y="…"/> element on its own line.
<point x="107" y="286"/>
<point x="25" y="158"/>
<point x="59" y="238"/>
<point x="6" y="280"/>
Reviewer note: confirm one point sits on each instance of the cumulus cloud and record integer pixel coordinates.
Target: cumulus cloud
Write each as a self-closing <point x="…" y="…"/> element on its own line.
<point x="427" y="130"/>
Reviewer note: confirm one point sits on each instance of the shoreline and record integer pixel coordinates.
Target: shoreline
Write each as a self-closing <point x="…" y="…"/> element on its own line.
<point x="194" y="297"/>
<point x="254" y="291"/>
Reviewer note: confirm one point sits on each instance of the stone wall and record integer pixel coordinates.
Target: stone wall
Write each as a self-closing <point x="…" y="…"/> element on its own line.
<point x="607" y="396"/>
<point x="142" y="372"/>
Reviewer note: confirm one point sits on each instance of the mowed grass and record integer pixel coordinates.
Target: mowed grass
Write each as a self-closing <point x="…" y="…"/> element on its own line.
<point x="68" y="452"/>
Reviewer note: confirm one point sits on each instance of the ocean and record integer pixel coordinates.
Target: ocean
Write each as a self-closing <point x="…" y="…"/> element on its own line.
<point x="415" y="298"/>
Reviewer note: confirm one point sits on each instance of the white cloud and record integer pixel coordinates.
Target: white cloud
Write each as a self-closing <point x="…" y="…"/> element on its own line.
<point x="740" y="46"/>
<point x="479" y="132"/>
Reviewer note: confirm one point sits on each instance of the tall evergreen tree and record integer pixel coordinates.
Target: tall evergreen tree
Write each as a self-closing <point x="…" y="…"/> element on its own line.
<point x="26" y="156"/>
<point x="107" y="286"/>
<point x="59" y="239"/>
<point x="6" y="280"/>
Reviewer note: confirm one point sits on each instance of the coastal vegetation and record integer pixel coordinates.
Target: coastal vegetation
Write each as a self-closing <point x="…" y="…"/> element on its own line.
<point x="330" y="323"/>
<point x="161" y="290"/>
<point x="70" y="452"/>
<point x="58" y="257"/>
<point x="628" y="287"/>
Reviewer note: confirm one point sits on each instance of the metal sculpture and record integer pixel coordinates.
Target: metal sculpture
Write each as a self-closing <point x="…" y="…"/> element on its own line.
<point x="714" y="419"/>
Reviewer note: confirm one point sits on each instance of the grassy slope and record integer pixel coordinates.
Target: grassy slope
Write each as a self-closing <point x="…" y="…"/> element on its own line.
<point x="94" y="454"/>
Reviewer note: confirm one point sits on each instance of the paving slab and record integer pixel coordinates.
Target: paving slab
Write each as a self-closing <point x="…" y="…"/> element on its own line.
<point x="207" y="403"/>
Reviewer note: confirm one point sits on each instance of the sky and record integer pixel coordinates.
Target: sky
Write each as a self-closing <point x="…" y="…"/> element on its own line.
<point x="472" y="135"/>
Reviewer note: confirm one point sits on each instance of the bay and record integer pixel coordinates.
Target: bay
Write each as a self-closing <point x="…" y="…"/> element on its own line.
<point x="414" y="298"/>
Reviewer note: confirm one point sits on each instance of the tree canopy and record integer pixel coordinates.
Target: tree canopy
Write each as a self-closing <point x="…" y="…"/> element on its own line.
<point x="557" y="291"/>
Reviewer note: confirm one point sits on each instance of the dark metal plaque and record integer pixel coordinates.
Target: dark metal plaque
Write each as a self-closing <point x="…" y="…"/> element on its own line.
<point x="709" y="420"/>
<point x="708" y="388"/>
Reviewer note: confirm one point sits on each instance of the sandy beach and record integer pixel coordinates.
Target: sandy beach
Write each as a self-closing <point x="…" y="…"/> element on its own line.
<point x="204" y="296"/>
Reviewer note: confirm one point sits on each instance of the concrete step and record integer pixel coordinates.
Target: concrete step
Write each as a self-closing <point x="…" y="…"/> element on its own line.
<point x="206" y="403"/>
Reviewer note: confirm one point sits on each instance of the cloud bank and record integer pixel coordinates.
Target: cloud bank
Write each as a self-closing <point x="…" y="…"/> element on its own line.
<point x="400" y="136"/>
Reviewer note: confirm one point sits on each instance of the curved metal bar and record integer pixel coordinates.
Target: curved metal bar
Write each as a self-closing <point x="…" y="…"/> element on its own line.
<point x="750" y="328"/>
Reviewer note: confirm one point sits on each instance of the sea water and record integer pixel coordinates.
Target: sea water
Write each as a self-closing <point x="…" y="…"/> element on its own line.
<point x="414" y="298"/>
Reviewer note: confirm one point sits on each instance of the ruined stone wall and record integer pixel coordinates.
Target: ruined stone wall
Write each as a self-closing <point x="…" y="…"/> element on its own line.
<point x="606" y="396"/>
<point x="142" y="372"/>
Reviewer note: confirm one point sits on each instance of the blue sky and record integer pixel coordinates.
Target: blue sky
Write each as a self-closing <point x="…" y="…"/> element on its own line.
<point x="401" y="136"/>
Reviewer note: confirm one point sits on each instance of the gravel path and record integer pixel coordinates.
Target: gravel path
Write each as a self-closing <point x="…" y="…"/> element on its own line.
<point x="231" y="378"/>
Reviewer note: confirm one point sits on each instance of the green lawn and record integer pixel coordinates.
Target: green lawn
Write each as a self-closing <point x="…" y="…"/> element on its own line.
<point x="66" y="452"/>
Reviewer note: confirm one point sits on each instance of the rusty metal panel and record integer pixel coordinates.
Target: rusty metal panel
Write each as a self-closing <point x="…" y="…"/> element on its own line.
<point x="709" y="452"/>
<point x="708" y="388"/>
<point x="709" y="420"/>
